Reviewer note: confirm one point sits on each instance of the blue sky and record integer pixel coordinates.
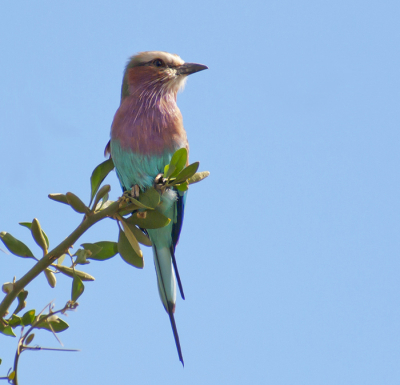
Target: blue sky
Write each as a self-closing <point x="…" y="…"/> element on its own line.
<point x="289" y="254"/>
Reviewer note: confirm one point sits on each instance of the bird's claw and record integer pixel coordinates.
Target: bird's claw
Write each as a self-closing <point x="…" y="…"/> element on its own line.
<point x="135" y="191"/>
<point x="159" y="183"/>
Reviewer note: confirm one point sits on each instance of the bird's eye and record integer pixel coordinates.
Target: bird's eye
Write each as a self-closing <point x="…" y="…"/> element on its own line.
<point x="158" y="62"/>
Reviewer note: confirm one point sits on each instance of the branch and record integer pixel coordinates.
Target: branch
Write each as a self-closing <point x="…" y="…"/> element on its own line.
<point x="88" y="221"/>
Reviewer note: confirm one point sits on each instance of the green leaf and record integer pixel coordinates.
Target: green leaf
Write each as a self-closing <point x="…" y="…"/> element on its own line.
<point x="177" y="163"/>
<point x="11" y="376"/>
<point x="14" y="321"/>
<point x="81" y="256"/>
<point x="132" y="239"/>
<point x="51" y="278"/>
<point x="104" y="205"/>
<point x="28" y="317"/>
<point x="21" y="301"/>
<point x="76" y="203"/>
<point x="198" y="177"/>
<point x="38" y="236"/>
<point x="125" y="211"/>
<point x="92" y="248"/>
<point x="182" y="187"/>
<point x="70" y="273"/>
<point x="98" y="175"/>
<point x="99" y="205"/>
<point x="58" y="325"/>
<point x="108" y="250"/>
<point x="103" y="193"/>
<point x="127" y="253"/>
<point x="62" y="198"/>
<point x="170" y="171"/>
<point x="104" y="199"/>
<point x="61" y="259"/>
<point x="7" y="331"/>
<point x="186" y="173"/>
<point x="15" y="246"/>
<point x="139" y="235"/>
<point x="154" y="220"/>
<point x="139" y="204"/>
<point x="77" y="288"/>
<point x="166" y="168"/>
<point x="29" y="339"/>
<point x="150" y="198"/>
<point x="29" y="226"/>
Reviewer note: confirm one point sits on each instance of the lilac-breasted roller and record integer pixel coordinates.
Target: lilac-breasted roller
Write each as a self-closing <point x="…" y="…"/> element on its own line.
<point x="146" y="131"/>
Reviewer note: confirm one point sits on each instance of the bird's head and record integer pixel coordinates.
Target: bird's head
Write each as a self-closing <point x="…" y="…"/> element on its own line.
<point x="156" y="72"/>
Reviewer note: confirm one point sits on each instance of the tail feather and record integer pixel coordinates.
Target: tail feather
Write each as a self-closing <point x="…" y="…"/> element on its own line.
<point x="167" y="288"/>
<point x="178" y="278"/>
<point x="175" y="331"/>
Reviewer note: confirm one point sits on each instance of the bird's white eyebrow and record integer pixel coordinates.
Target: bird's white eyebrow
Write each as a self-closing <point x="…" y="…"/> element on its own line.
<point x="169" y="65"/>
<point x="143" y="58"/>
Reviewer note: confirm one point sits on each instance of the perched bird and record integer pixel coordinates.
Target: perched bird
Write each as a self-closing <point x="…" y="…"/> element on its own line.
<point x="146" y="131"/>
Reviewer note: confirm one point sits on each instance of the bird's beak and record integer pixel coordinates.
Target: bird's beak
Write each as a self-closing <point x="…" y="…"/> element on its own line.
<point x="190" y="68"/>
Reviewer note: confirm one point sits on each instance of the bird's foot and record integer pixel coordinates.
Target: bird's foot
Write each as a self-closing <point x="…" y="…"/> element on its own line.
<point x="135" y="191"/>
<point x="159" y="183"/>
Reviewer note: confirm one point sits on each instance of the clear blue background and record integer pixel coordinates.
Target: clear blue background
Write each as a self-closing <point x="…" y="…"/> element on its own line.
<point x="289" y="254"/>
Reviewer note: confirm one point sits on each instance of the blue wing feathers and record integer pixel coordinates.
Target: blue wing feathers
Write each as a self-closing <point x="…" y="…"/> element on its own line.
<point x="177" y="226"/>
<point x="175" y="233"/>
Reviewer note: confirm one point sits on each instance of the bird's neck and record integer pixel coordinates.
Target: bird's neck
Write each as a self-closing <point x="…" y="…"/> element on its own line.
<point x="155" y="100"/>
<point x="149" y="122"/>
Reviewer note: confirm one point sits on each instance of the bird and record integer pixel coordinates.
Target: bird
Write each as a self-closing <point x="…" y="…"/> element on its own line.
<point x="146" y="131"/>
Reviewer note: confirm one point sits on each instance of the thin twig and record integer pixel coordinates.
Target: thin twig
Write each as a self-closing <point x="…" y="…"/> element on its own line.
<point x="21" y="343"/>
<point x="56" y="349"/>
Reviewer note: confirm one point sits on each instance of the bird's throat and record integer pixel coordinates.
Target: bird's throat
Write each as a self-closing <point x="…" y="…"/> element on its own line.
<point x="149" y="123"/>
